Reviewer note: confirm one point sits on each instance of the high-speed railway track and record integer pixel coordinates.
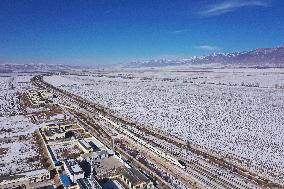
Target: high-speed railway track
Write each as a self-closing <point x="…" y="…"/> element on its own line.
<point x="195" y="169"/>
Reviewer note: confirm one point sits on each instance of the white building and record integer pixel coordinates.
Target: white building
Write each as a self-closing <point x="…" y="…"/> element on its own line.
<point x="25" y="179"/>
<point x="73" y="170"/>
<point x="85" y="146"/>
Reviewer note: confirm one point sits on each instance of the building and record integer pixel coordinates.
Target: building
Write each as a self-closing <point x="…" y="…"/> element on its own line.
<point x="73" y="169"/>
<point x="111" y="184"/>
<point x="61" y="123"/>
<point x="88" y="184"/>
<point x="100" y="155"/>
<point x="100" y="151"/>
<point x="40" y="97"/>
<point x="66" y="182"/>
<point x="25" y="179"/>
<point x="51" y="156"/>
<point x="13" y="181"/>
<point x="134" y="179"/>
<point x="54" y="134"/>
<point x="58" y="129"/>
<point x="46" y="94"/>
<point x="85" y="146"/>
<point x="38" y="175"/>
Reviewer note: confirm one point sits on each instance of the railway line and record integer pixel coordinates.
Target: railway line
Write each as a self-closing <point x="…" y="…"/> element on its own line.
<point x="202" y="171"/>
<point x="106" y="138"/>
<point x="197" y="170"/>
<point x="99" y="132"/>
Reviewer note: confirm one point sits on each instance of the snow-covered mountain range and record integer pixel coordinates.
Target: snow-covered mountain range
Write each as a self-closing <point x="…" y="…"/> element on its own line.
<point x="263" y="57"/>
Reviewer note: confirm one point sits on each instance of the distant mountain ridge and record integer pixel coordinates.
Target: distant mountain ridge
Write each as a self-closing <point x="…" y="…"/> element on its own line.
<point x="263" y="57"/>
<point x="36" y="68"/>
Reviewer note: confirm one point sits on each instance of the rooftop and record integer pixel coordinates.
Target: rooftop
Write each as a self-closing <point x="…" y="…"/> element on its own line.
<point x="112" y="184"/>
<point x="134" y="176"/>
<point x="85" y="144"/>
<point x="66" y="181"/>
<point x="73" y="167"/>
<point x="52" y="154"/>
<point x="88" y="184"/>
<point x="34" y="172"/>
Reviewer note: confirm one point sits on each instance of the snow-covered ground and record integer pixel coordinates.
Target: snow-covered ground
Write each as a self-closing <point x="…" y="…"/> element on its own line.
<point x="12" y="126"/>
<point x="11" y="88"/>
<point x="20" y="151"/>
<point x="237" y="114"/>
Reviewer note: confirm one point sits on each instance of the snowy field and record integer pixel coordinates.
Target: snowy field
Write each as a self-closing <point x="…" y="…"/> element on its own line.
<point x="19" y="151"/>
<point x="237" y="114"/>
<point x="11" y="88"/>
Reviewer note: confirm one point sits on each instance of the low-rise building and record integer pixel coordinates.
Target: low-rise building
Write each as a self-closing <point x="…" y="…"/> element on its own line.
<point x="39" y="97"/>
<point x="88" y="184"/>
<point x="52" y="156"/>
<point x="60" y="130"/>
<point x="73" y="169"/>
<point x="85" y="146"/>
<point x="67" y="183"/>
<point x="67" y="125"/>
<point x="46" y="94"/>
<point x="38" y="175"/>
<point x="100" y="155"/>
<point x="25" y="179"/>
<point x="54" y="134"/>
<point x="134" y="179"/>
<point x="13" y="181"/>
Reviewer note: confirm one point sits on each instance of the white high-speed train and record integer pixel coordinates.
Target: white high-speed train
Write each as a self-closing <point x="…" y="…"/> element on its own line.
<point x="156" y="151"/>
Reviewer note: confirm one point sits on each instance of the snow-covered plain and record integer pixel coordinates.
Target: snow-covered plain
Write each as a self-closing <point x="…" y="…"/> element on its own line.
<point x="237" y="114"/>
<point x="21" y="152"/>
<point x="18" y="151"/>
<point x="11" y="87"/>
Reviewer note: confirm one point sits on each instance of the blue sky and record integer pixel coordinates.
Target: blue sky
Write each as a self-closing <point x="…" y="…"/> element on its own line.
<point x="114" y="31"/>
